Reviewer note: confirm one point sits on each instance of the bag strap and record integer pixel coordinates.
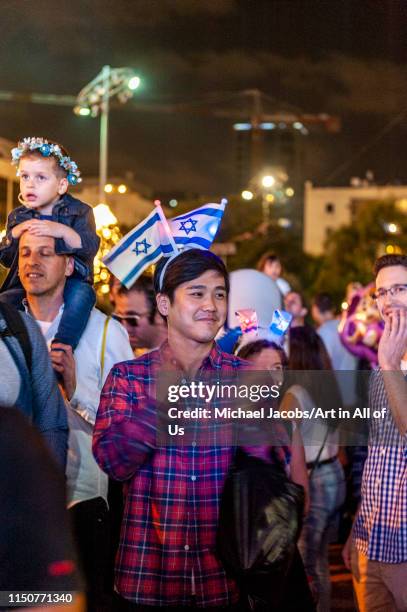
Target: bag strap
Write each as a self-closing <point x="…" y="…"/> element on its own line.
<point x="316" y="462"/>
<point x="103" y="351"/>
<point x="16" y="328"/>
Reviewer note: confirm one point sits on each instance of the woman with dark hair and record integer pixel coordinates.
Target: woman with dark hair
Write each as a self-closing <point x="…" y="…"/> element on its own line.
<point x="267" y="355"/>
<point x="311" y="389"/>
<point x="262" y="350"/>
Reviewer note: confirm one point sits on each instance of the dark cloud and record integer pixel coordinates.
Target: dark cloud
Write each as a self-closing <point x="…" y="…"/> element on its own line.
<point x="77" y="16"/>
<point x="59" y="46"/>
<point x="153" y="12"/>
<point x="336" y="83"/>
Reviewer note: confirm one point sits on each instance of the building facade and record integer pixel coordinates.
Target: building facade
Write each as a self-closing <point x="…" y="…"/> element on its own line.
<point x="326" y="209"/>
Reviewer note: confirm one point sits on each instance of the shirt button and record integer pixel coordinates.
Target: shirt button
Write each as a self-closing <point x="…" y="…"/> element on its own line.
<point x="186" y="547"/>
<point x="194" y="443"/>
<point x="193" y="477"/>
<point x="184" y="381"/>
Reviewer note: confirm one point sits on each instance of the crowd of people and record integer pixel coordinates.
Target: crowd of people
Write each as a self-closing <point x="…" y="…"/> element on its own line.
<point x="143" y="515"/>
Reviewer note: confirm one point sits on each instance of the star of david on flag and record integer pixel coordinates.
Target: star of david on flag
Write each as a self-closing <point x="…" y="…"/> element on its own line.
<point x="188" y="226"/>
<point x="197" y="229"/>
<point x="141" y="247"/>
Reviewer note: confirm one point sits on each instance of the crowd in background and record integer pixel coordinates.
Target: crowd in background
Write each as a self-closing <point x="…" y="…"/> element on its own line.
<point x="144" y="515"/>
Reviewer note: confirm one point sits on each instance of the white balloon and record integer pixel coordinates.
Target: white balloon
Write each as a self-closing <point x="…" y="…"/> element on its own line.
<point x="252" y="289"/>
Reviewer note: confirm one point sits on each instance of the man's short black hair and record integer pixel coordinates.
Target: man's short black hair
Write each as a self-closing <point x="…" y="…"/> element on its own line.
<point x="324" y="302"/>
<point x="300" y="295"/>
<point x="186" y="267"/>
<point x="389" y="260"/>
<point x="144" y="284"/>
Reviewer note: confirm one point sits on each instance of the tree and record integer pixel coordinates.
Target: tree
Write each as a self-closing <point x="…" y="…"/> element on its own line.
<point x="351" y="250"/>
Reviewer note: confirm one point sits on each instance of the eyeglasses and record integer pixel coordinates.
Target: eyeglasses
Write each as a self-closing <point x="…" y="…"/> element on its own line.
<point x="394" y="290"/>
<point x="132" y="320"/>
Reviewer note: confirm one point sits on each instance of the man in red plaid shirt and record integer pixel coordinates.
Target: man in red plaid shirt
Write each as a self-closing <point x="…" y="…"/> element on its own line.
<point x="167" y="553"/>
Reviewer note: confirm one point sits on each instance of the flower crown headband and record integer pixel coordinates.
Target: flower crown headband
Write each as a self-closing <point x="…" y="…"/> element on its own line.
<point x="47" y="150"/>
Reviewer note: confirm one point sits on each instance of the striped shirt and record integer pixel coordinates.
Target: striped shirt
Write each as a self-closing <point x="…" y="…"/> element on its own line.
<point x="380" y="530"/>
<point x="172" y="492"/>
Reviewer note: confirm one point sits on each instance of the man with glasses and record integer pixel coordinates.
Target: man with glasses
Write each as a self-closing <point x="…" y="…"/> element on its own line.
<point x="376" y="550"/>
<point x="136" y="309"/>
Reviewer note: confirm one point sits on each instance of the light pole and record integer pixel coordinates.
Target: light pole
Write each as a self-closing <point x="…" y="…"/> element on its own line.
<point x="94" y="99"/>
<point x="104" y="132"/>
<point x="267" y="196"/>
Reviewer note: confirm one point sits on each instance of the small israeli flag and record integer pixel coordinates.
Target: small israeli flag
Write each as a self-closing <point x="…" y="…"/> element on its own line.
<point x="197" y="229"/>
<point x="140" y="248"/>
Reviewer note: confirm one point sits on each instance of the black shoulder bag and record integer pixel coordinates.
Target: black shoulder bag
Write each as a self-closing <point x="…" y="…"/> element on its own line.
<point x="15" y="327"/>
<point x="260" y="520"/>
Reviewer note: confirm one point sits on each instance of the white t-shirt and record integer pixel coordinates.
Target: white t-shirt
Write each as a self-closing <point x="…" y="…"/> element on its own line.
<point x="44" y="325"/>
<point x="85" y="480"/>
<point x="313" y="431"/>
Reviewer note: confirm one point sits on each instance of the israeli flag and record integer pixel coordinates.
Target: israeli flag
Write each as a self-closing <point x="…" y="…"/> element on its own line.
<point x="140" y="248"/>
<point x="197" y="229"/>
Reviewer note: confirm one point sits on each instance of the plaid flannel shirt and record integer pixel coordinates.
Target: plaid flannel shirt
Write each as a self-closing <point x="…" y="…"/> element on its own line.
<point x="380" y="530"/>
<point x="172" y="493"/>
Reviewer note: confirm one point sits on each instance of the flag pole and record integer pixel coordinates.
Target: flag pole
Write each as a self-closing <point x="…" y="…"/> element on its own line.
<point x="166" y="226"/>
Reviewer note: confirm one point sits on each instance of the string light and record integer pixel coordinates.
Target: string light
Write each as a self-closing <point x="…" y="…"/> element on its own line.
<point x="109" y="233"/>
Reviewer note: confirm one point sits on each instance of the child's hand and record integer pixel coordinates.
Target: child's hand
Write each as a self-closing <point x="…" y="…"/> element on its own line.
<point x="63" y="361"/>
<point x="19" y="229"/>
<point x="40" y="227"/>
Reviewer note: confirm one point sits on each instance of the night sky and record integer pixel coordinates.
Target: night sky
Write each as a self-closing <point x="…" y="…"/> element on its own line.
<point x="340" y="57"/>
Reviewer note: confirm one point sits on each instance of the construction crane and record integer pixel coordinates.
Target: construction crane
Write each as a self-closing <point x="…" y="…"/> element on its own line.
<point x="257" y="124"/>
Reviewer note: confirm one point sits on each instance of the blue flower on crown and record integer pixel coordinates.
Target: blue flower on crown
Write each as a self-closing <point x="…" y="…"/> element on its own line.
<point x="16" y="154"/>
<point x="45" y="150"/>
